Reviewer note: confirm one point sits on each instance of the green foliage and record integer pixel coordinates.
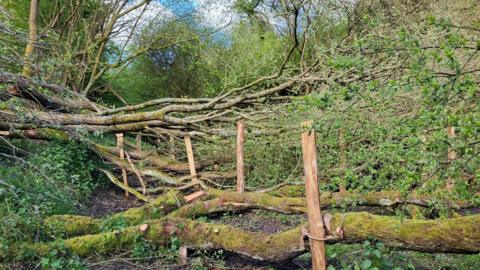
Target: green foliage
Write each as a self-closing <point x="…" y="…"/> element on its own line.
<point x="52" y="22"/>
<point x="199" y="65"/>
<point x="394" y="124"/>
<point x="142" y="248"/>
<point x="202" y="260"/>
<point x="372" y="255"/>
<point x="250" y="54"/>
<point x="113" y="224"/>
<point x="145" y="249"/>
<point x="54" y="179"/>
<point x="61" y="258"/>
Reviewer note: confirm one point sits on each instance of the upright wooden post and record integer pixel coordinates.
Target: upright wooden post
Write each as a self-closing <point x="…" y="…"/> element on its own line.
<point x="139" y="142"/>
<point x="183" y="255"/>
<point x="122" y="156"/>
<point x="343" y="158"/>
<point x="171" y="146"/>
<point x="452" y="155"/>
<point x="315" y="221"/>
<point x="191" y="161"/>
<point x="240" y="166"/>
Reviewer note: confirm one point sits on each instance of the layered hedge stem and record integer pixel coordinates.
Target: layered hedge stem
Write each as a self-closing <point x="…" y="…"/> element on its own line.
<point x="456" y="235"/>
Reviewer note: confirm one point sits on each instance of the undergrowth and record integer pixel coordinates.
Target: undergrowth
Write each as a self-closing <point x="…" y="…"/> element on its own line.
<point x="36" y="182"/>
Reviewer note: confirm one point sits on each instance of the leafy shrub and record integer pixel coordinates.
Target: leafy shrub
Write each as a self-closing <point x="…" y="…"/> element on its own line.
<point x="61" y="258"/>
<point x="373" y="255"/>
<point x="53" y="179"/>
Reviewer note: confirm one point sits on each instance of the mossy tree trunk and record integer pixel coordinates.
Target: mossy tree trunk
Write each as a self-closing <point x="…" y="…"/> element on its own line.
<point x="217" y="201"/>
<point x="456" y="235"/>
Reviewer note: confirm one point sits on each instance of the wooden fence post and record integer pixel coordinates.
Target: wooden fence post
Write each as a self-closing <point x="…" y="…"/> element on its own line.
<point x="452" y="155"/>
<point x="240" y="165"/>
<point x="122" y="156"/>
<point x="183" y="256"/>
<point x="171" y="146"/>
<point x="191" y="161"/>
<point x="316" y="231"/>
<point x="139" y="142"/>
<point x="343" y="158"/>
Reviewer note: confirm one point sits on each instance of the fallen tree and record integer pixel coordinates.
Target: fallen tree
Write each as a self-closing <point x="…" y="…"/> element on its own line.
<point x="456" y="235"/>
<point x="216" y="201"/>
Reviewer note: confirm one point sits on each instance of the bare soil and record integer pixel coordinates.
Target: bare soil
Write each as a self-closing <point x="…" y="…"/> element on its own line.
<point x="109" y="201"/>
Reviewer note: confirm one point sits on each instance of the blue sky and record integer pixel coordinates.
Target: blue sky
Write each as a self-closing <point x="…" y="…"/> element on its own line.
<point x="214" y="14"/>
<point x="180" y="7"/>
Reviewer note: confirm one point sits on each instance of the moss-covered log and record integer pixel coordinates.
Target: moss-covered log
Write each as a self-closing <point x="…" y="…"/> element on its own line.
<point x="217" y="201"/>
<point x="37" y="134"/>
<point x="72" y="225"/>
<point x="221" y="201"/>
<point x="456" y="235"/>
<point x="380" y="198"/>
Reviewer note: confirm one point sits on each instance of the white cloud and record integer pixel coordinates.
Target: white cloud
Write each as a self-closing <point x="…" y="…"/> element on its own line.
<point x="216" y="13"/>
<point x="154" y="12"/>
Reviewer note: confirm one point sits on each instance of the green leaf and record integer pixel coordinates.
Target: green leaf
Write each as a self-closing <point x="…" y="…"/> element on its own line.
<point x="366" y="264"/>
<point x="377" y="253"/>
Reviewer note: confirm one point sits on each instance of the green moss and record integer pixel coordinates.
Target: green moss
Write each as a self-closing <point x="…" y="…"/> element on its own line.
<point x="4" y="105"/>
<point x="53" y="134"/>
<point x="289" y="191"/>
<point x="71" y="225"/>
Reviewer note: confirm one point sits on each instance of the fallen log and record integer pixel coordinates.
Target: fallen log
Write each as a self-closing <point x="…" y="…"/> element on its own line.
<point x="26" y="88"/>
<point x="72" y="225"/>
<point x="378" y="198"/>
<point x="217" y="201"/>
<point x="456" y="235"/>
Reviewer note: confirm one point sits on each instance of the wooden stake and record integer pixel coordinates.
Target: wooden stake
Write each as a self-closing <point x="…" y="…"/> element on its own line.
<point x="191" y="161"/>
<point x="122" y="156"/>
<point x="240" y="166"/>
<point x="452" y="155"/>
<point x="343" y="158"/>
<point x="172" y="147"/>
<point x="315" y="220"/>
<point x="183" y="256"/>
<point x="139" y="142"/>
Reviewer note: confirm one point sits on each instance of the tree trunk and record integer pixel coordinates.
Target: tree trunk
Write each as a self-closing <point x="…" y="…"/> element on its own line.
<point x="216" y="201"/>
<point x="33" y="30"/>
<point x="457" y="235"/>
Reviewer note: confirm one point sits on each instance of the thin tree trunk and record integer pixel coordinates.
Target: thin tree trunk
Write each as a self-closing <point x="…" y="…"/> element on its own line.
<point x="33" y="29"/>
